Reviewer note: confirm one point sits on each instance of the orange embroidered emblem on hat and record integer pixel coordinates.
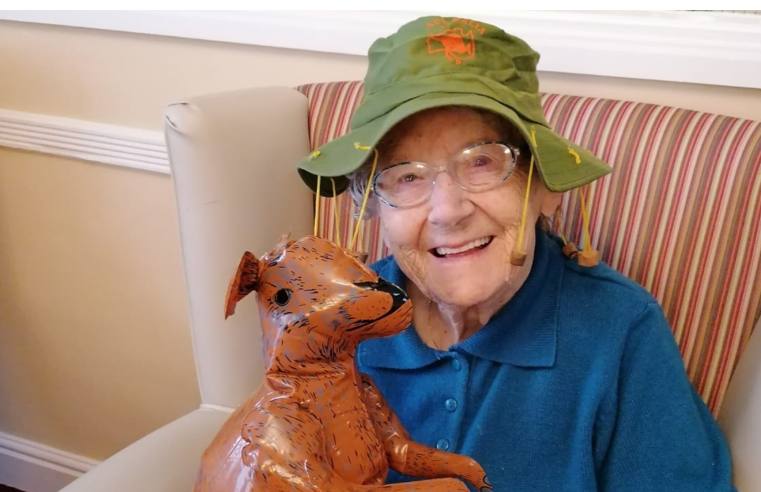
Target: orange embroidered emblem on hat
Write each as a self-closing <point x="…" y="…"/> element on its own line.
<point x="455" y="44"/>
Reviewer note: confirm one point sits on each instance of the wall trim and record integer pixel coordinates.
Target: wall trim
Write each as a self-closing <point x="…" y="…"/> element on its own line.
<point x="79" y="139"/>
<point x="28" y="465"/>
<point x="716" y="48"/>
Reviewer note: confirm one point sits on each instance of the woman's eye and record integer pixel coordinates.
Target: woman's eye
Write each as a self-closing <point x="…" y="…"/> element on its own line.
<point x="407" y="176"/>
<point x="481" y="161"/>
<point x="282" y="297"/>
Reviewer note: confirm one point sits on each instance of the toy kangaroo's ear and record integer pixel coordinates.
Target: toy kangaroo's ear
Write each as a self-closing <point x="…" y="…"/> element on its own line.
<point x="245" y="281"/>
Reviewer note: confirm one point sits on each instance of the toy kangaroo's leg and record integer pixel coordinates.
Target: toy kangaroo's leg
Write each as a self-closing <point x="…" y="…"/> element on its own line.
<point x="424" y="461"/>
<point x="284" y="449"/>
<point x="414" y="459"/>
<point x="436" y="485"/>
<point x="287" y="456"/>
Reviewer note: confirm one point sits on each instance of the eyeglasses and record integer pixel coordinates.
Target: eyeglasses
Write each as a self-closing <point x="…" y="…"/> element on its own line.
<point x="479" y="167"/>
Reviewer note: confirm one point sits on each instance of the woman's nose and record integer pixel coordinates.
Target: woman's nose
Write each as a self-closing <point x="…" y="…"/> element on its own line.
<point x="449" y="204"/>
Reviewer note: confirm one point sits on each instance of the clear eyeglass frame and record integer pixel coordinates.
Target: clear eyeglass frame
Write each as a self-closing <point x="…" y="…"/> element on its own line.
<point x="514" y="151"/>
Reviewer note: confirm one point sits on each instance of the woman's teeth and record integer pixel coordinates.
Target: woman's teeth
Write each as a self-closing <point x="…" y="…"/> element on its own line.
<point x="478" y="243"/>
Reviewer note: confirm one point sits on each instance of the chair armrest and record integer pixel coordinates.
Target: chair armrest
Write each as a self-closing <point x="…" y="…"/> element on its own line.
<point x="166" y="460"/>
<point x="740" y="417"/>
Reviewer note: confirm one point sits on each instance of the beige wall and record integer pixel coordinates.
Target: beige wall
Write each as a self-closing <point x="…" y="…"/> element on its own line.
<point x="94" y="338"/>
<point x="94" y="341"/>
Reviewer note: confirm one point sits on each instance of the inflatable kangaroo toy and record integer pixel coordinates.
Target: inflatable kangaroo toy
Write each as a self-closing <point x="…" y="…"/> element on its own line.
<point x="316" y="423"/>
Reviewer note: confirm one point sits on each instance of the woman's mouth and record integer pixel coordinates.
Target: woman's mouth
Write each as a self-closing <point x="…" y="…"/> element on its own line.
<point x="475" y="245"/>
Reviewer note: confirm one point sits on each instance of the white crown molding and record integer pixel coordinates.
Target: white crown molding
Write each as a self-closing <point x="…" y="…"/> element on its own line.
<point x="680" y="46"/>
<point x="28" y="465"/>
<point x="96" y="142"/>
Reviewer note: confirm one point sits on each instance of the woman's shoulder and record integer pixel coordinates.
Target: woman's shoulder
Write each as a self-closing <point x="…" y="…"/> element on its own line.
<point x="603" y="281"/>
<point x="607" y="317"/>
<point x="604" y="299"/>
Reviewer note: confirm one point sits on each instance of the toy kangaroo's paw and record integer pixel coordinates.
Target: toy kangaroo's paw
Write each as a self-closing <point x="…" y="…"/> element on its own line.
<point x="476" y="476"/>
<point x="487" y="487"/>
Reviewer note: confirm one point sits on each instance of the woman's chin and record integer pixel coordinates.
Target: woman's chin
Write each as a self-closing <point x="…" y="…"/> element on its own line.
<point x="464" y="292"/>
<point x="464" y="281"/>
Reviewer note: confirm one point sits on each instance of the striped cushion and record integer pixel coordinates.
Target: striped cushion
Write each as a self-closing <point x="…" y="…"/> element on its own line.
<point x="681" y="213"/>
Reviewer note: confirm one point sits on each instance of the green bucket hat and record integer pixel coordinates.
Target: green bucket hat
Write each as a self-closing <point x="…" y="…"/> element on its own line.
<point x="445" y="61"/>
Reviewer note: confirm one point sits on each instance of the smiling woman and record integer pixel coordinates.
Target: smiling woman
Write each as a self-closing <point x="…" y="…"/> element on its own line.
<point x="513" y="356"/>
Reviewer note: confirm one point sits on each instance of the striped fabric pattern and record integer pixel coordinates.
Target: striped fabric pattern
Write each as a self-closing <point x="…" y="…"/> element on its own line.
<point x="680" y="214"/>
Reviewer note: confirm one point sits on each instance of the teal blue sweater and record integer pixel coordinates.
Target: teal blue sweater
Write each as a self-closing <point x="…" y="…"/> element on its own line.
<point x="576" y="384"/>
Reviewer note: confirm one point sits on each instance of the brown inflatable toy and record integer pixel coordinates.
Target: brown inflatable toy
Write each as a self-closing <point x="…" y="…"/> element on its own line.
<point x="317" y="423"/>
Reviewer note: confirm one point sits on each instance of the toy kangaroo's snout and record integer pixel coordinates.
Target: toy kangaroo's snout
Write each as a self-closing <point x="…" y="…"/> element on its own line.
<point x="398" y="296"/>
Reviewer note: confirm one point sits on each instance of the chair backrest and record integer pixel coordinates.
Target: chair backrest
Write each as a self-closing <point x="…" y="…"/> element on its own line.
<point x="680" y="214"/>
<point x="232" y="157"/>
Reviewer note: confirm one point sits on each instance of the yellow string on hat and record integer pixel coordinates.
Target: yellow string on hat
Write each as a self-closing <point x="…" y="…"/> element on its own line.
<point x="588" y="256"/>
<point x="317" y="206"/>
<point x="518" y="257"/>
<point x="585" y="219"/>
<point x="335" y="213"/>
<point x="367" y="193"/>
<point x="525" y="205"/>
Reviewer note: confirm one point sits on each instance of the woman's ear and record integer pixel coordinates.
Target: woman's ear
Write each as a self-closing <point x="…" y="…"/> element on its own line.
<point x="550" y="202"/>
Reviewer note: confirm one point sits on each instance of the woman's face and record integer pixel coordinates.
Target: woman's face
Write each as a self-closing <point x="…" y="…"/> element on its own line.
<point x="486" y="222"/>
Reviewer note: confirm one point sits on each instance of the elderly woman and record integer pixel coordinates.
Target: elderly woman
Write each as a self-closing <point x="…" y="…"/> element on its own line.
<point x="553" y="371"/>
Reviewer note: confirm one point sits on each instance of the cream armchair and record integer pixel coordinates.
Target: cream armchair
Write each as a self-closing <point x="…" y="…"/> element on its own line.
<point x="232" y="158"/>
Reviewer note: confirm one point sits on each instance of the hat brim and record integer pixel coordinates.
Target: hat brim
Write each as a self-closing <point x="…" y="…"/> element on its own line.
<point x="561" y="164"/>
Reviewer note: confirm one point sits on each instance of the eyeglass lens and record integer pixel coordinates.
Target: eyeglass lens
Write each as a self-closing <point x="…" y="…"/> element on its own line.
<point x="476" y="168"/>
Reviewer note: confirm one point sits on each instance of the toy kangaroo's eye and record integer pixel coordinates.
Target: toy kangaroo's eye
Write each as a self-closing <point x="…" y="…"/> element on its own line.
<point x="283" y="296"/>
